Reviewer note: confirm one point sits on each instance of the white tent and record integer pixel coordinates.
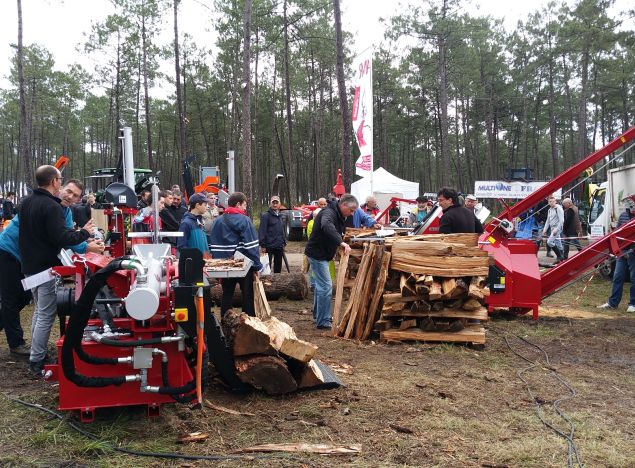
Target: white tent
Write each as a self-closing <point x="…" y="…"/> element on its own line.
<point x="385" y="186"/>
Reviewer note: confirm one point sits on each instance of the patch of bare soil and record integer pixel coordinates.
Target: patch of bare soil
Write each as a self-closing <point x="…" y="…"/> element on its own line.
<point x="411" y="404"/>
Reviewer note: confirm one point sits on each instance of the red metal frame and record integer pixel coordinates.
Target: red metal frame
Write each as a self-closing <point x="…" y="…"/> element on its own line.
<point x="524" y="286"/>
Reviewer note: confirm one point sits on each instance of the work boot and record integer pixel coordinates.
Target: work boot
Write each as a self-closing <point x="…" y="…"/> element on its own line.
<point x="36" y="368"/>
<point x="21" y="350"/>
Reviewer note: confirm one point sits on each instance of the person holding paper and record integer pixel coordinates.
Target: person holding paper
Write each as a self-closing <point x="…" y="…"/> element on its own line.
<point x="42" y="233"/>
<point x="14" y="297"/>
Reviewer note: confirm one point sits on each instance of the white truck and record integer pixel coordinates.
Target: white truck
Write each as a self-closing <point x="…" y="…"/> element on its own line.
<point x="606" y="201"/>
<point x="606" y="206"/>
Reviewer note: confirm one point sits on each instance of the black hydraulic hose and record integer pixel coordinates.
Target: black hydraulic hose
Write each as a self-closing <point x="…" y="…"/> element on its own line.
<point x="123" y="344"/>
<point x="78" y="320"/>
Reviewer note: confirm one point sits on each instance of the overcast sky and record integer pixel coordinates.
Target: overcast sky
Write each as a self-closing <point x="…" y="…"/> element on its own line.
<point x="60" y="25"/>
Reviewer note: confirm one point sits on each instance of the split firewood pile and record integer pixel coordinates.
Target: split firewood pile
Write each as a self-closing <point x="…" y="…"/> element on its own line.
<point x="424" y="288"/>
<point x="269" y="356"/>
<point x="224" y="264"/>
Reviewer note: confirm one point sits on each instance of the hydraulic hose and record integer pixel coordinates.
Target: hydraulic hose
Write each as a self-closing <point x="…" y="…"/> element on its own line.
<point x="78" y="320"/>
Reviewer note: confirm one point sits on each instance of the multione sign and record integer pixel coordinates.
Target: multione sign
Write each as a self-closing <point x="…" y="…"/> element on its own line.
<point x="499" y="189"/>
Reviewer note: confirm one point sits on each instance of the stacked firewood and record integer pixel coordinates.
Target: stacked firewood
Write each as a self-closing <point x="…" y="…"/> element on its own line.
<point x="426" y="288"/>
<point x="269" y="356"/>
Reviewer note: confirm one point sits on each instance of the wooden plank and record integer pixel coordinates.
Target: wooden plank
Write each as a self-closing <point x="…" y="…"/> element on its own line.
<point x="359" y="303"/>
<point x="437" y="262"/>
<point x="261" y="305"/>
<point x="390" y="298"/>
<point x="373" y="273"/>
<point x="479" y="314"/>
<point x="340" y="326"/>
<point x="339" y="288"/>
<point x="439" y="249"/>
<point x="470" y="240"/>
<point x="470" y="334"/>
<point x="472" y="266"/>
<point x="373" y="310"/>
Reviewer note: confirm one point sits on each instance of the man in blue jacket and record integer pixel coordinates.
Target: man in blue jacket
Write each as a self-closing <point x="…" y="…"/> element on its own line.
<point x="271" y="234"/>
<point x="234" y="232"/>
<point x="192" y="225"/>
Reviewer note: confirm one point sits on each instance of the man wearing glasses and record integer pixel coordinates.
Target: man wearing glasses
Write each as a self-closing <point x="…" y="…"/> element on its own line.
<point x="271" y="234"/>
<point x="43" y="232"/>
<point x="456" y="218"/>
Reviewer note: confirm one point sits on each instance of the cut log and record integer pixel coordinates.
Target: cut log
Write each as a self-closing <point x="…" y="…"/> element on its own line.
<point x="268" y="373"/>
<point x="471" y="304"/>
<point x="420" y="307"/>
<point x="299" y="350"/>
<point x="247" y="335"/>
<point x="405" y="286"/>
<point x="428" y="280"/>
<point x="448" y="286"/>
<point x="394" y="309"/>
<point x="422" y="290"/>
<point x="408" y="323"/>
<point x="310" y="375"/>
<point x="436" y="291"/>
<point x="382" y="324"/>
<point x="279" y="331"/>
<point x="293" y="286"/>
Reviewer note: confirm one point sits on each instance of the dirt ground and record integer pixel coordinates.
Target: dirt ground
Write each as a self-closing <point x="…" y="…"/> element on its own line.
<point x="409" y="404"/>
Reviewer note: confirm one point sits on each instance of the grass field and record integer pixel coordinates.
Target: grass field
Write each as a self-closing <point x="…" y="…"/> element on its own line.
<point x="407" y="404"/>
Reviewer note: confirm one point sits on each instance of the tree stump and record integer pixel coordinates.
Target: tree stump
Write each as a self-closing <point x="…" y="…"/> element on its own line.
<point x="268" y="373"/>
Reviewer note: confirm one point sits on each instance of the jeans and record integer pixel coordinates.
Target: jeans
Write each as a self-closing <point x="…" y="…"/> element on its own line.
<point x="569" y="243"/>
<point x="246" y="288"/>
<point x="45" y="299"/>
<point x="14" y="298"/>
<point x="323" y="292"/>
<point x="622" y="265"/>
<point x="276" y="255"/>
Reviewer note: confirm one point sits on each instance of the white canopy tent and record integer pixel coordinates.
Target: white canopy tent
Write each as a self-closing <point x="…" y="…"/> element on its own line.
<point x="385" y="186"/>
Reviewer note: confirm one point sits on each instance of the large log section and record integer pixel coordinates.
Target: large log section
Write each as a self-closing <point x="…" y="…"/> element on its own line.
<point x="293" y="286"/>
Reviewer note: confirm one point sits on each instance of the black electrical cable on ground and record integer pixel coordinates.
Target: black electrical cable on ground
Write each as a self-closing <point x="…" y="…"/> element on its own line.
<point x="169" y="455"/>
<point x="573" y="455"/>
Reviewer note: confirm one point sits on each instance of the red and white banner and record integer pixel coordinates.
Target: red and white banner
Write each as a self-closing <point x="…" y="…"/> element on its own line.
<point x="362" y="112"/>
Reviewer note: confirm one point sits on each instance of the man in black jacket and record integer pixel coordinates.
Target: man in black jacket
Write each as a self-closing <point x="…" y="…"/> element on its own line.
<point x="326" y="238"/>
<point x="271" y="234"/>
<point x="43" y="233"/>
<point x="456" y="218"/>
<point x="8" y="208"/>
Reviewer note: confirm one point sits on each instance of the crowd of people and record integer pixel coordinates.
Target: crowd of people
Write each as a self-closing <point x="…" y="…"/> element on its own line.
<point x="56" y="216"/>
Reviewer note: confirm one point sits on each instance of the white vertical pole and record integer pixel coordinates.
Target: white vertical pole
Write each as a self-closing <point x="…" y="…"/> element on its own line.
<point x="231" y="176"/>
<point x="128" y="160"/>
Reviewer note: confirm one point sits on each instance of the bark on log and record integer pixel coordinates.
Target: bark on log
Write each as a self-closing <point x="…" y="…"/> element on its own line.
<point x="268" y="373"/>
<point x="293" y="286"/>
<point x="247" y="335"/>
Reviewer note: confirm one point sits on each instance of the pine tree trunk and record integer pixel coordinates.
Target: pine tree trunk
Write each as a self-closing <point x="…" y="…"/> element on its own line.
<point x="179" y="98"/>
<point x="246" y="114"/>
<point x="24" y="154"/>
<point x="341" y="84"/>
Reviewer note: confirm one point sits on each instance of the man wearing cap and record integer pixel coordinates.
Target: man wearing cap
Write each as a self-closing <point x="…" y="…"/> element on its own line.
<point x="192" y="225"/>
<point x="271" y="234"/>
<point x="470" y="202"/>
